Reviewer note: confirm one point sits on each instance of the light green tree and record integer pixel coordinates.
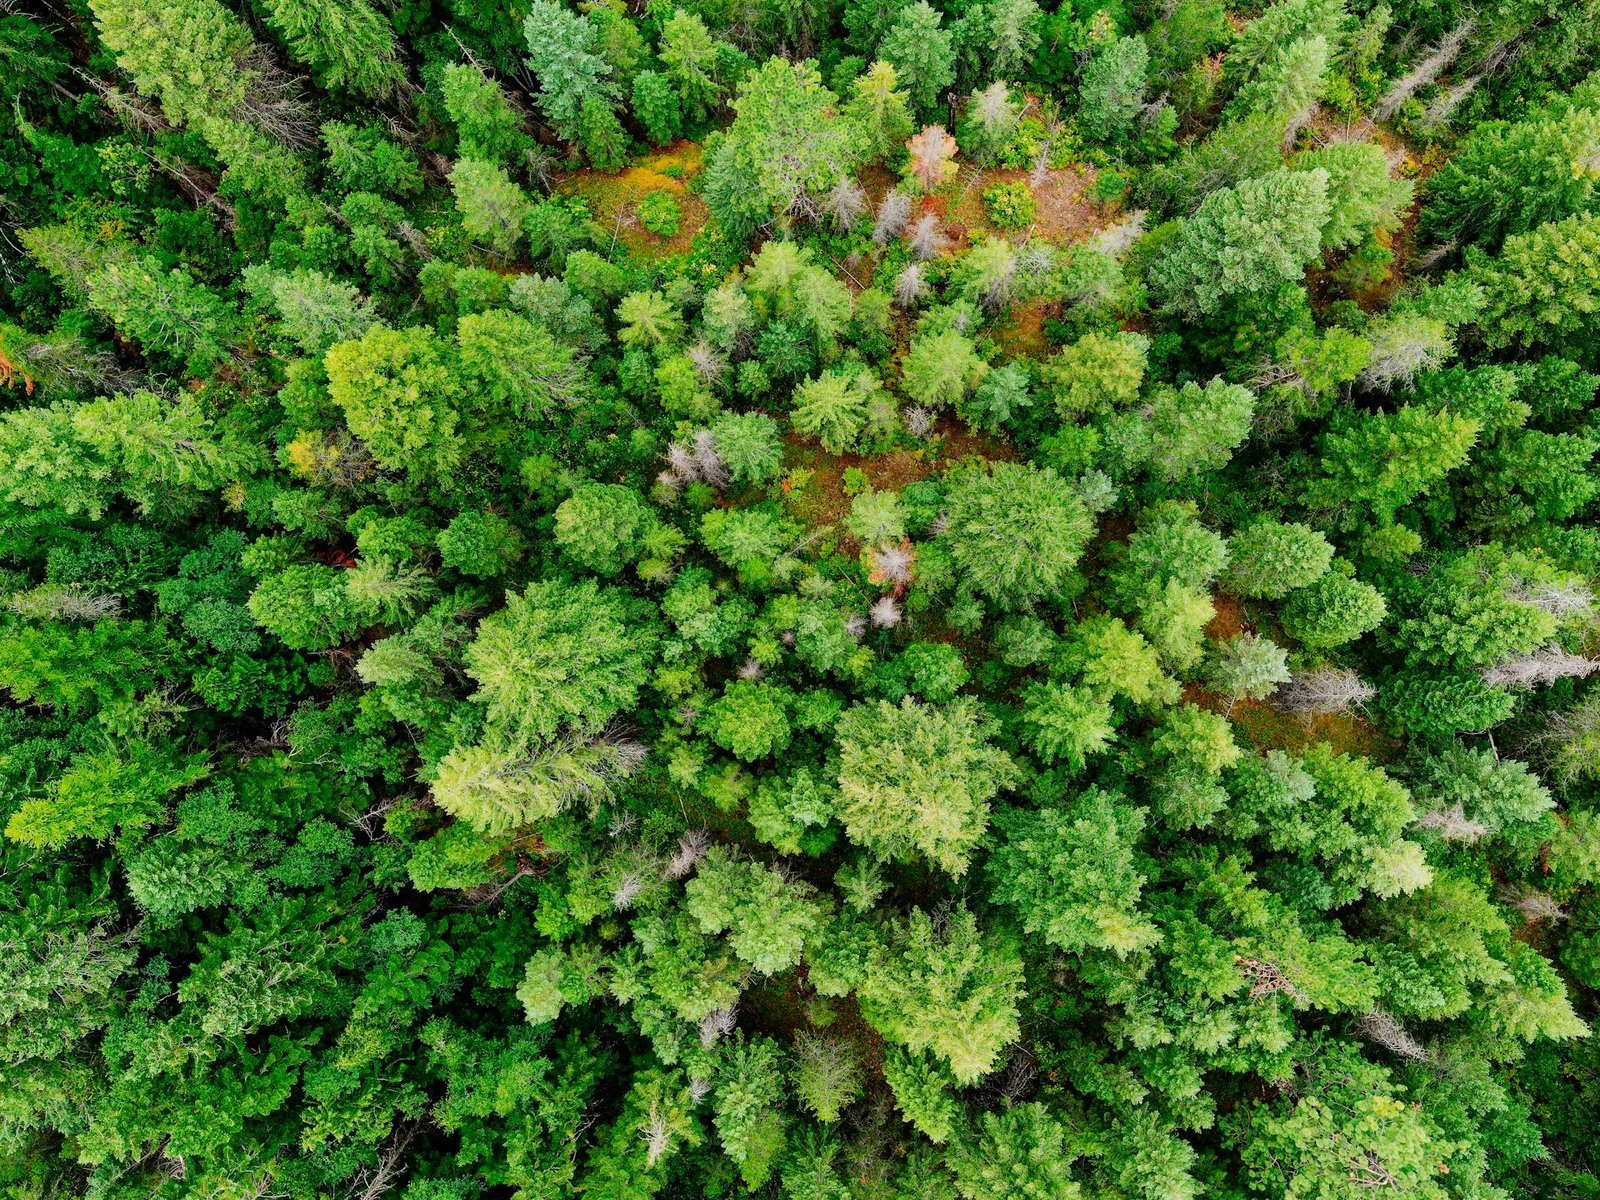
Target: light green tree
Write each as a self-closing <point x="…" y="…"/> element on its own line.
<point x="917" y="780"/>
<point x="400" y="393"/>
<point x="492" y="207"/>
<point x="1017" y="532"/>
<point x="559" y="655"/>
<point x="1244" y="241"/>
<point x="943" y="987"/>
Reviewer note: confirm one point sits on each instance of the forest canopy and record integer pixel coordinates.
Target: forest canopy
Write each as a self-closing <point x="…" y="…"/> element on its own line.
<point x="821" y="599"/>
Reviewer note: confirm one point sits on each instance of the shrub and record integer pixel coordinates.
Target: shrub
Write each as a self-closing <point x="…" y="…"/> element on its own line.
<point x="660" y="214"/>
<point x="1009" y="205"/>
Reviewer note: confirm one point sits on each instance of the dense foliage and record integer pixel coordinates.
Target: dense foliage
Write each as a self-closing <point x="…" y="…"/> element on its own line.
<point x="838" y="599"/>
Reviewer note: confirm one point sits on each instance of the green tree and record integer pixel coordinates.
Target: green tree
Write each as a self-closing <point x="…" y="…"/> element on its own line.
<point x="1250" y="666"/>
<point x="488" y="125"/>
<point x="1542" y="291"/>
<point x="1016" y="533"/>
<point x="1064" y="723"/>
<point x="1507" y="179"/>
<point x="880" y="113"/>
<point x="1195" y="429"/>
<point x="917" y="780"/>
<point x="346" y="42"/>
<point x="482" y="544"/>
<point x="1021" y="1152"/>
<point x="563" y="51"/>
<point x="656" y="105"/>
<point x="787" y="141"/>
<point x="1269" y="559"/>
<point x="516" y="365"/>
<point x="1244" y="241"/>
<point x="166" y="312"/>
<point x="126" y="789"/>
<point x="1362" y="198"/>
<point x="1097" y="373"/>
<point x="317" y="311"/>
<point x="922" y="52"/>
<point x="649" y="322"/>
<point x="750" y="720"/>
<point x="767" y="919"/>
<point x="942" y="987"/>
<point x="1379" y="462"/>
<point x="559" y="655"/>
<point x="602" y="526"/>
<point x="922" y="1092"/>
<point x="1112" y="91"/>
<point x="833" y="407"/>
<point x="749" y="445"/>
<point x="601" y="135"/>
<point x="503" y="785"/>
<point x="1072" y="873"/>
<point x="1334" y="610"/>
<point x="307" y="607"/>
<point x="689" y="56"/>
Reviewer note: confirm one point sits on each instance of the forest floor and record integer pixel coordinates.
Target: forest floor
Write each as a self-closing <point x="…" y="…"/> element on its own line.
<point x="1268" y="728"/>
<point x="614" y="198"/>
<point x="820" y="475"/>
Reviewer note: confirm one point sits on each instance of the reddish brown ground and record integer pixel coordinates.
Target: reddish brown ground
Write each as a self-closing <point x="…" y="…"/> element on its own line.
<point x="822" y="499"/>
<point x="1022" y="332"/>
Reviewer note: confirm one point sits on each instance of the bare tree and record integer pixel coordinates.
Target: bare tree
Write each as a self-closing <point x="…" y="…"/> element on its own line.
<point x="1528" y="671"/>
<point x="1266" y="978"/>
<point x="885" y="612"/>
<point x="846" y="203"/>
<point x="274" y="102"/>
<point x="1116" y="240"/>
<point x="683" y="464"/>
<point x="709" y="460"/>
<point x="717" y="1024"/>
<point x="1324" y="690"/>
<point x="894" y="210"/>
<point x="919" y="421"/>
<point x="910" y="285"/>
<point x="1452" y="824"/>
<point x="1429" y="67"/>
<point x="927" y="240"/>
<point x="1403" y="347"/>
<point x="692" y="847"/>
<point x="1379" y="1028"/>
<point x="706" y="362"/>
<point x="64" y="602"/>
<point x="1533" y="906"/>
<point x="1564" y="599"/>
<point x="892" y="563"/>
<point x="657" y="1134"/>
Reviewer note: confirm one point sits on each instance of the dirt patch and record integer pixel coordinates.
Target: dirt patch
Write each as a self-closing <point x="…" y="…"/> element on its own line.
<point x="614" y="198"/>
<point x="822" y="499"/>
<point x="1065" y="212"/>
<point x="1229" y="621"/>
<point x="1265" y="728"/>
<point x="1021" y="334"/>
